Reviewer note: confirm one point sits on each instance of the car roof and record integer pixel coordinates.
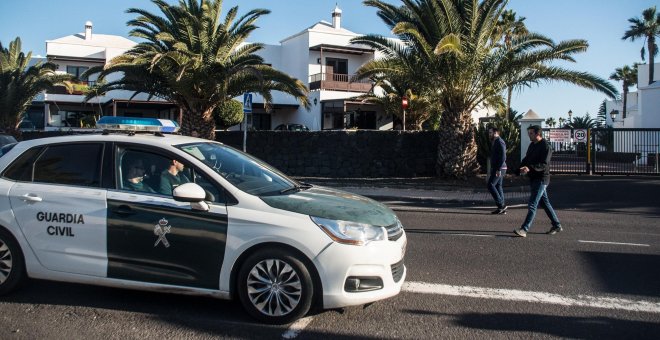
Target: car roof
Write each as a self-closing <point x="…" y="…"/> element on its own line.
<point x="140" y="138"/>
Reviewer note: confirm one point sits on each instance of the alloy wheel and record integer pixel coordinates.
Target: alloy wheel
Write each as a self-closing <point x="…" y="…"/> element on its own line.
<point x="5" y="262"/>
<point x="274" y="287"/>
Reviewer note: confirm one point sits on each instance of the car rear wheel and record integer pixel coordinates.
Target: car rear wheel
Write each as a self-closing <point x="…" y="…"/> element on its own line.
<point x="275" y="287"/>
<point x="12" y="265"/>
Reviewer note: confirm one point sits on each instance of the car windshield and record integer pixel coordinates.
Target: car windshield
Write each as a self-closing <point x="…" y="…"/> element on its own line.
<point x="242" y="170"/>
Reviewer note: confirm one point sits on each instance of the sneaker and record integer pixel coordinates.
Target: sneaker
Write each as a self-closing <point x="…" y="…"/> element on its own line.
<point x="503" y="210"/>
<point x="496" y="211"/>
<point x="520" y="232"/>
<point x="554" y="230"/>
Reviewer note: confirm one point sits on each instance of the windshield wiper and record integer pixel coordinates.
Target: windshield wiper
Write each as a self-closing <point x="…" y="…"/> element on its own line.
<point x="296" y="187"/>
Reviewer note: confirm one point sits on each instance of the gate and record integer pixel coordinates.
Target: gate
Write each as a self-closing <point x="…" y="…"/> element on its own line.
<point x="604" y="151"/>
<point x="625" y="151"/>
<point x="568" y="155"/>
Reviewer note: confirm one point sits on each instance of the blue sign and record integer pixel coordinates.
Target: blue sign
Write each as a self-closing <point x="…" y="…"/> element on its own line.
<point x="247" y="103"/>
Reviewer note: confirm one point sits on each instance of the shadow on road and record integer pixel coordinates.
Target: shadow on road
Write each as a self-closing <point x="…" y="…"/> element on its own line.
<point x="559" y="326"/>
<point x="632" y="274"/>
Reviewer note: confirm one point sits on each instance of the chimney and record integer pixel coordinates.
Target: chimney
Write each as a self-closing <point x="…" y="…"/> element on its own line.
<point x="336" y="17"/>
<point x="88" y="30"/>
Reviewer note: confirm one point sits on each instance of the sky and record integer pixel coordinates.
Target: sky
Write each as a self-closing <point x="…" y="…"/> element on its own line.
<point x="601" y="22"/>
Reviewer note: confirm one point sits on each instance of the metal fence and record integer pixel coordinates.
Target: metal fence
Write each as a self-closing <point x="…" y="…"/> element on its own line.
<point x="605" y="151"/>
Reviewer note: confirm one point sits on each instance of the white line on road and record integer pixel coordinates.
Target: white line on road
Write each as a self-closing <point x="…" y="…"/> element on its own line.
<point x="617" y="243"/>
<point x="296" y="328"/>
<point x="527" y="296"/>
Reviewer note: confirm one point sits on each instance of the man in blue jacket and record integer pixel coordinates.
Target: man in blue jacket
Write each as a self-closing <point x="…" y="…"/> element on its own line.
<point x="536" y="165"/>
<point x="497" y="169"/>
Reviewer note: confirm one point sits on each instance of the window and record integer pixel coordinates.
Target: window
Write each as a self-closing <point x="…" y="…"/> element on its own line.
<point x="76" y="119"/>
<point x="151" y="173"/>
<point x="21" y="169"/>
<point x="339" y="66"/>
<point x="77" y="71"/>
<point x="71" y="164"/>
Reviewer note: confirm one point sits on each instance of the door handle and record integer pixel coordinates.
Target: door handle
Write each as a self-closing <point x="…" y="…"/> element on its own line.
<point x="124" y="210"/>
<point x="31" y="198"/>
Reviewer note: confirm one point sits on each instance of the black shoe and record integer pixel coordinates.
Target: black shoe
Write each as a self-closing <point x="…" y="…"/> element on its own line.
<point x="555" y="230"/>
<point x="503" y="210"/>
<point x="496" y="211"/>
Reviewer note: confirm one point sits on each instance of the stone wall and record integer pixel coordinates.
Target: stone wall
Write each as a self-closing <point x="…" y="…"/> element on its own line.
<point x="339" y="154"/>
<point x="342" y="153"/>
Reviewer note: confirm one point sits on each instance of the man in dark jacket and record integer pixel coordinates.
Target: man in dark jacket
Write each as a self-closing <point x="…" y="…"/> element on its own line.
<point x="536" y="165"/>
<point x="497" y="169"/>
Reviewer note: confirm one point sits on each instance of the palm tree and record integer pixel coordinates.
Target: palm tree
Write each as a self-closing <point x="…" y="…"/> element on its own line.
<point x="561" y="122"/>
<point x="508" y="28"/>
<point x="196" y="60"/>
<point x="20" y="83"/>
<point x="647" y="27"/>
<point x="550" y="122"/>
<point x="584" y="122"/>
<point x="463" y="67"/>
<point x="627" y="75"/>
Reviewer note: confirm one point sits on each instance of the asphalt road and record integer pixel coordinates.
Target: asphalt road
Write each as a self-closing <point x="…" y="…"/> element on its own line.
<point x="458" y="249"/>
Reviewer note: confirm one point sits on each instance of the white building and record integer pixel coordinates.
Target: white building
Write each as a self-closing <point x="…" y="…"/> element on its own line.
<point x="643" y="105"/>
<point x="74" y="54"/>
<point x="323" y="58"/>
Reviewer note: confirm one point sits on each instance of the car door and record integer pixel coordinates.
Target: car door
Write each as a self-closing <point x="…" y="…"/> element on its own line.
<point x="153" y="238"/>
<point x="60" y="206"/>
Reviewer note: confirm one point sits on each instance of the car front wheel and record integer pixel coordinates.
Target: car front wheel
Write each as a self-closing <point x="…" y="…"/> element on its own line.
<point x="275" y="287"/>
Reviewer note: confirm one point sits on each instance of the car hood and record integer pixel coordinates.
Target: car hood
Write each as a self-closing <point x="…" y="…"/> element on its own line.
<point x="334" y="204"/>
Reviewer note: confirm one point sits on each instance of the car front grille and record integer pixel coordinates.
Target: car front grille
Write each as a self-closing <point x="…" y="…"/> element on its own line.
<point x="397" y="271"/>
<point x="394" y="232"/>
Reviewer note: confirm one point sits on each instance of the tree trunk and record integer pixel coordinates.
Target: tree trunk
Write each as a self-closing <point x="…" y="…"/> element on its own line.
<point x="625" y="100"/>
<point x="651" y="41"/>
<point x="457" y="149"/>
<point x="201" y="123"/>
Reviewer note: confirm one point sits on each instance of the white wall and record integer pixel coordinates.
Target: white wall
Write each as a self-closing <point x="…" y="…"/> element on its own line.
<point x="649" y="104"/>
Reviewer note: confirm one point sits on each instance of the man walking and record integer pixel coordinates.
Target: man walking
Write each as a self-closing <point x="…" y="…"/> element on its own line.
<point x="497" y="169"/>
<point x="536" y="165"/>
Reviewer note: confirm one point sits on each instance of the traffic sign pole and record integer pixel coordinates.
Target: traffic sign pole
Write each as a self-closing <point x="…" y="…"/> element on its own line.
<point x="247" y="108"/>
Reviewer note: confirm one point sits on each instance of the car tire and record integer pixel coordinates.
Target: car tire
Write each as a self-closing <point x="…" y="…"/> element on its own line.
<point x="275" y="286"/>
<point x="12" y="264"/>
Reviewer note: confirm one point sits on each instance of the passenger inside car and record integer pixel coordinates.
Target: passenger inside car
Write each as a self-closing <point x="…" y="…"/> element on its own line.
<point x="134" y="179"/>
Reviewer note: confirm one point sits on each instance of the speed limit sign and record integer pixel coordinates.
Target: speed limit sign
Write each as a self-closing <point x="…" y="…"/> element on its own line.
<point x="580" y="135"/>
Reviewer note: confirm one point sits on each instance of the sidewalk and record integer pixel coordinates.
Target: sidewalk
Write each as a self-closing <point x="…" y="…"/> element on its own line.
<point x="432" y="191"/>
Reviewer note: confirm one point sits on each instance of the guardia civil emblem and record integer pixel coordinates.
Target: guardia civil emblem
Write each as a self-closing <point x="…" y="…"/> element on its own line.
<point x="161" y="230"/>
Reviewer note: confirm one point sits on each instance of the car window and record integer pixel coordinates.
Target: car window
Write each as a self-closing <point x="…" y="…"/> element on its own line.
<point x="7" y="139"/>
<point x="21" y="168"/>
<point x="6" y="148"/>
<point x="242" y="170"/>
<point x="71" y="164"/>
<point x="153" y="173"/>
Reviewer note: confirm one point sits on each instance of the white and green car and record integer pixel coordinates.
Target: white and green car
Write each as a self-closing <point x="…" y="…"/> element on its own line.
<point x="171" y="213"/>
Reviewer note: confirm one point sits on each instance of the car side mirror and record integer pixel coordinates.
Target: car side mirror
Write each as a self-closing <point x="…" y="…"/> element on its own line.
<point x="193" y="193"/>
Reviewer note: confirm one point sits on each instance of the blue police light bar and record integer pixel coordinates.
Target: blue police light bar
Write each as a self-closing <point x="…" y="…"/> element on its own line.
<point x="137" y="124"/>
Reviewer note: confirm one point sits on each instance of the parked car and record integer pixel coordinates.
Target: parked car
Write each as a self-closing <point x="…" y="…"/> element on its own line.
<point x="291" y="127"/>
<point x="171" y="213"/>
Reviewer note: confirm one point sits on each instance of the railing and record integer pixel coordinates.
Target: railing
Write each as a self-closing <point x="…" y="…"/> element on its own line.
<point x="605" y="151"/>
<point x="338" y="82"/>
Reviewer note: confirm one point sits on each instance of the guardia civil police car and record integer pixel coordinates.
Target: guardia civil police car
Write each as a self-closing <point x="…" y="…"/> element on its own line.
<point x="171" y="213"/>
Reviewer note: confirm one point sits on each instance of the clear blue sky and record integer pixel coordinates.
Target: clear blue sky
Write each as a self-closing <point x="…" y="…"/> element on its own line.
<point x="600" y="22"/>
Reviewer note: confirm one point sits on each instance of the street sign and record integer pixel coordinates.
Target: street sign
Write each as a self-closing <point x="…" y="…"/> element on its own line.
<point x="581" y="135"/>
<point x="560" y="135"/>
<point x="247" y="103"/>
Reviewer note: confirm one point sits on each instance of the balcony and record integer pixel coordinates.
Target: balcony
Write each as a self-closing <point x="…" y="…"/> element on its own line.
<point x="73" y="87"/>
<point x="338" y="82"/>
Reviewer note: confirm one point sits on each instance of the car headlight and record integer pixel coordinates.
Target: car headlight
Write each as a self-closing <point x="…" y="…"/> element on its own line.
<point x="354" y="233"/>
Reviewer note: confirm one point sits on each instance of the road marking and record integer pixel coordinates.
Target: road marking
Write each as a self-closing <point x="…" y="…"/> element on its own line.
<point x="617" y="243"/>
<point x="296" y="328"/>
<point x="528" y="296"/>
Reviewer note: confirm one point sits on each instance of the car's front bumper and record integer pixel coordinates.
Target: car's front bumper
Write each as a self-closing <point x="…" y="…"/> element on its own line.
<point x="338" y="262"/>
